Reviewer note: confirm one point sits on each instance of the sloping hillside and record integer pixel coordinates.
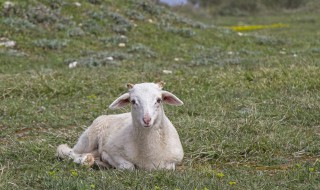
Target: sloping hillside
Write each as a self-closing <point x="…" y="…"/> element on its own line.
<point x="92" y="33"/>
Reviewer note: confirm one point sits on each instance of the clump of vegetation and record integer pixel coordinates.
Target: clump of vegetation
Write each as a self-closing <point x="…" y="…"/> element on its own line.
<point x="75" y="32"/>
<point x="133" y="14"/>
<point x="53" y="44"/>
<point x="19" y="24"/>
<point x="115" y="40"/>
<point x="268" y="40"/>
<point x="42" y="14"/>
<point x="12" y="52"/>
<point x="122" y="25"/>
<point x="142" y="49"/>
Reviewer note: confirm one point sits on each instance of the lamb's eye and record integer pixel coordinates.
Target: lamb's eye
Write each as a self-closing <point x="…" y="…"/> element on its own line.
<point x="158" y="100"/>
<point x="133" y="102"/>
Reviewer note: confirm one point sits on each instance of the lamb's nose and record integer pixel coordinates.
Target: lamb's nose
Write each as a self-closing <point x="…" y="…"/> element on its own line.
<point x="147" y="119"/>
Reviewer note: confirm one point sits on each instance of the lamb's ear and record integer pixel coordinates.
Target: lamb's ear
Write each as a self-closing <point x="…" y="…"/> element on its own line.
<point x="171" y="99"/>
<point x="120" y="102"/>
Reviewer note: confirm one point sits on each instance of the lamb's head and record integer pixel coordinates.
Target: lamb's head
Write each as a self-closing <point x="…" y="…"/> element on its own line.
<point x="146" y="102"/>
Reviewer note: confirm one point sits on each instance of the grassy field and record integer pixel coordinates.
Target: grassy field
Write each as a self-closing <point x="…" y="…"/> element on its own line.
<point x="251" y="118"/>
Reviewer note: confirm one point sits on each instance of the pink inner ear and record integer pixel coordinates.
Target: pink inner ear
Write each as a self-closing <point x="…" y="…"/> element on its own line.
<point x="120" y="102"/>
<point x="169" y="100"/>
<point x="123" y="102"/>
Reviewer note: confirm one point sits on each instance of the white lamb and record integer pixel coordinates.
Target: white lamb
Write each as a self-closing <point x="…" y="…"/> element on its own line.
<point x="144" y="138"/>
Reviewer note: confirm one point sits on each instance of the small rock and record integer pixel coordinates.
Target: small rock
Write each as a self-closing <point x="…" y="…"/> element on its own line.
<point x="77" y="4"/>
<point x="73" y="64"/>
<point x="122" y="45"/>
<point x="110" y="58"/>
<point x="240" y="34"/>
<point x="7" y="43"/>
<point x="167" y="72"/>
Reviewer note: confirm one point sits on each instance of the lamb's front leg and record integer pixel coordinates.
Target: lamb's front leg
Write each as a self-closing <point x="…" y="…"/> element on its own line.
<point x="117" y="161"/>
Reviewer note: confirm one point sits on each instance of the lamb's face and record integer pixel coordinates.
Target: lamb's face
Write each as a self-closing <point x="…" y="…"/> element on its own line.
<point x="146" y="100"/>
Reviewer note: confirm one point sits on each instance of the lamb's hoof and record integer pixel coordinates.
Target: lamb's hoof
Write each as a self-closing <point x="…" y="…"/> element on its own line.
<point x="87" y="160"/>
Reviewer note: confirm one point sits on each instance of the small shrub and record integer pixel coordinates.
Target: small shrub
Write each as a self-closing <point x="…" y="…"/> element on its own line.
<point x="12" y="53"/>
<point x="267" y="40"/>
<point x="97" y="15"/>
<point x="172" y="17"/>
<point x="184" y="32"/>
<point x="115" y="40"/>
<point x="122" y="25"/>
<point x="119" y="19"/>
<point x="133" y="14"/>
<point x="95" y="2"/>
<point x="142" y="49"/>
<point x="76" y="31"/>
<point x="151" y="8"/>
<point x="42" y="14"/>
<point x="55" y="44"/>
<point x="93" y="27"/>
<point x="120" y="29"/>
<point x="19" y="24"/>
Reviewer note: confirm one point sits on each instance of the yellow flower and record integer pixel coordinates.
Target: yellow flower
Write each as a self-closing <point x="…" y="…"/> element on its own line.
<point x="311" y="169"/>
<point x="220" y="175"/>
<point x="232" y="182"/>
<point x="257" y="27"/>
<point x="52" y="173"/>
<point x="74" y="173"/>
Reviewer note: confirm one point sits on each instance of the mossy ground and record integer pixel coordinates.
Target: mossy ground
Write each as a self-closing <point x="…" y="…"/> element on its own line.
<point x="252" y="104"/>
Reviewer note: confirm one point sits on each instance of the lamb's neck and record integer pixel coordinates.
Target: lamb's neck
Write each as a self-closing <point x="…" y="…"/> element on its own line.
<point x="154" y="136"/>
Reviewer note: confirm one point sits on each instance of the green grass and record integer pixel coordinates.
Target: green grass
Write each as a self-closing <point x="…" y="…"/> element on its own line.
<point x="252" y="104"/>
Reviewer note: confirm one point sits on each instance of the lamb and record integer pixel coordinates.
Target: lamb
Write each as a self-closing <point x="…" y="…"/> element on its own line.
<point x="143" y="139"/>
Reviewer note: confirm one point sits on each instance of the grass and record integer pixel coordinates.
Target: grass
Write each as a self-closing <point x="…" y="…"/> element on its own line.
<point x="251" y="113"/>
